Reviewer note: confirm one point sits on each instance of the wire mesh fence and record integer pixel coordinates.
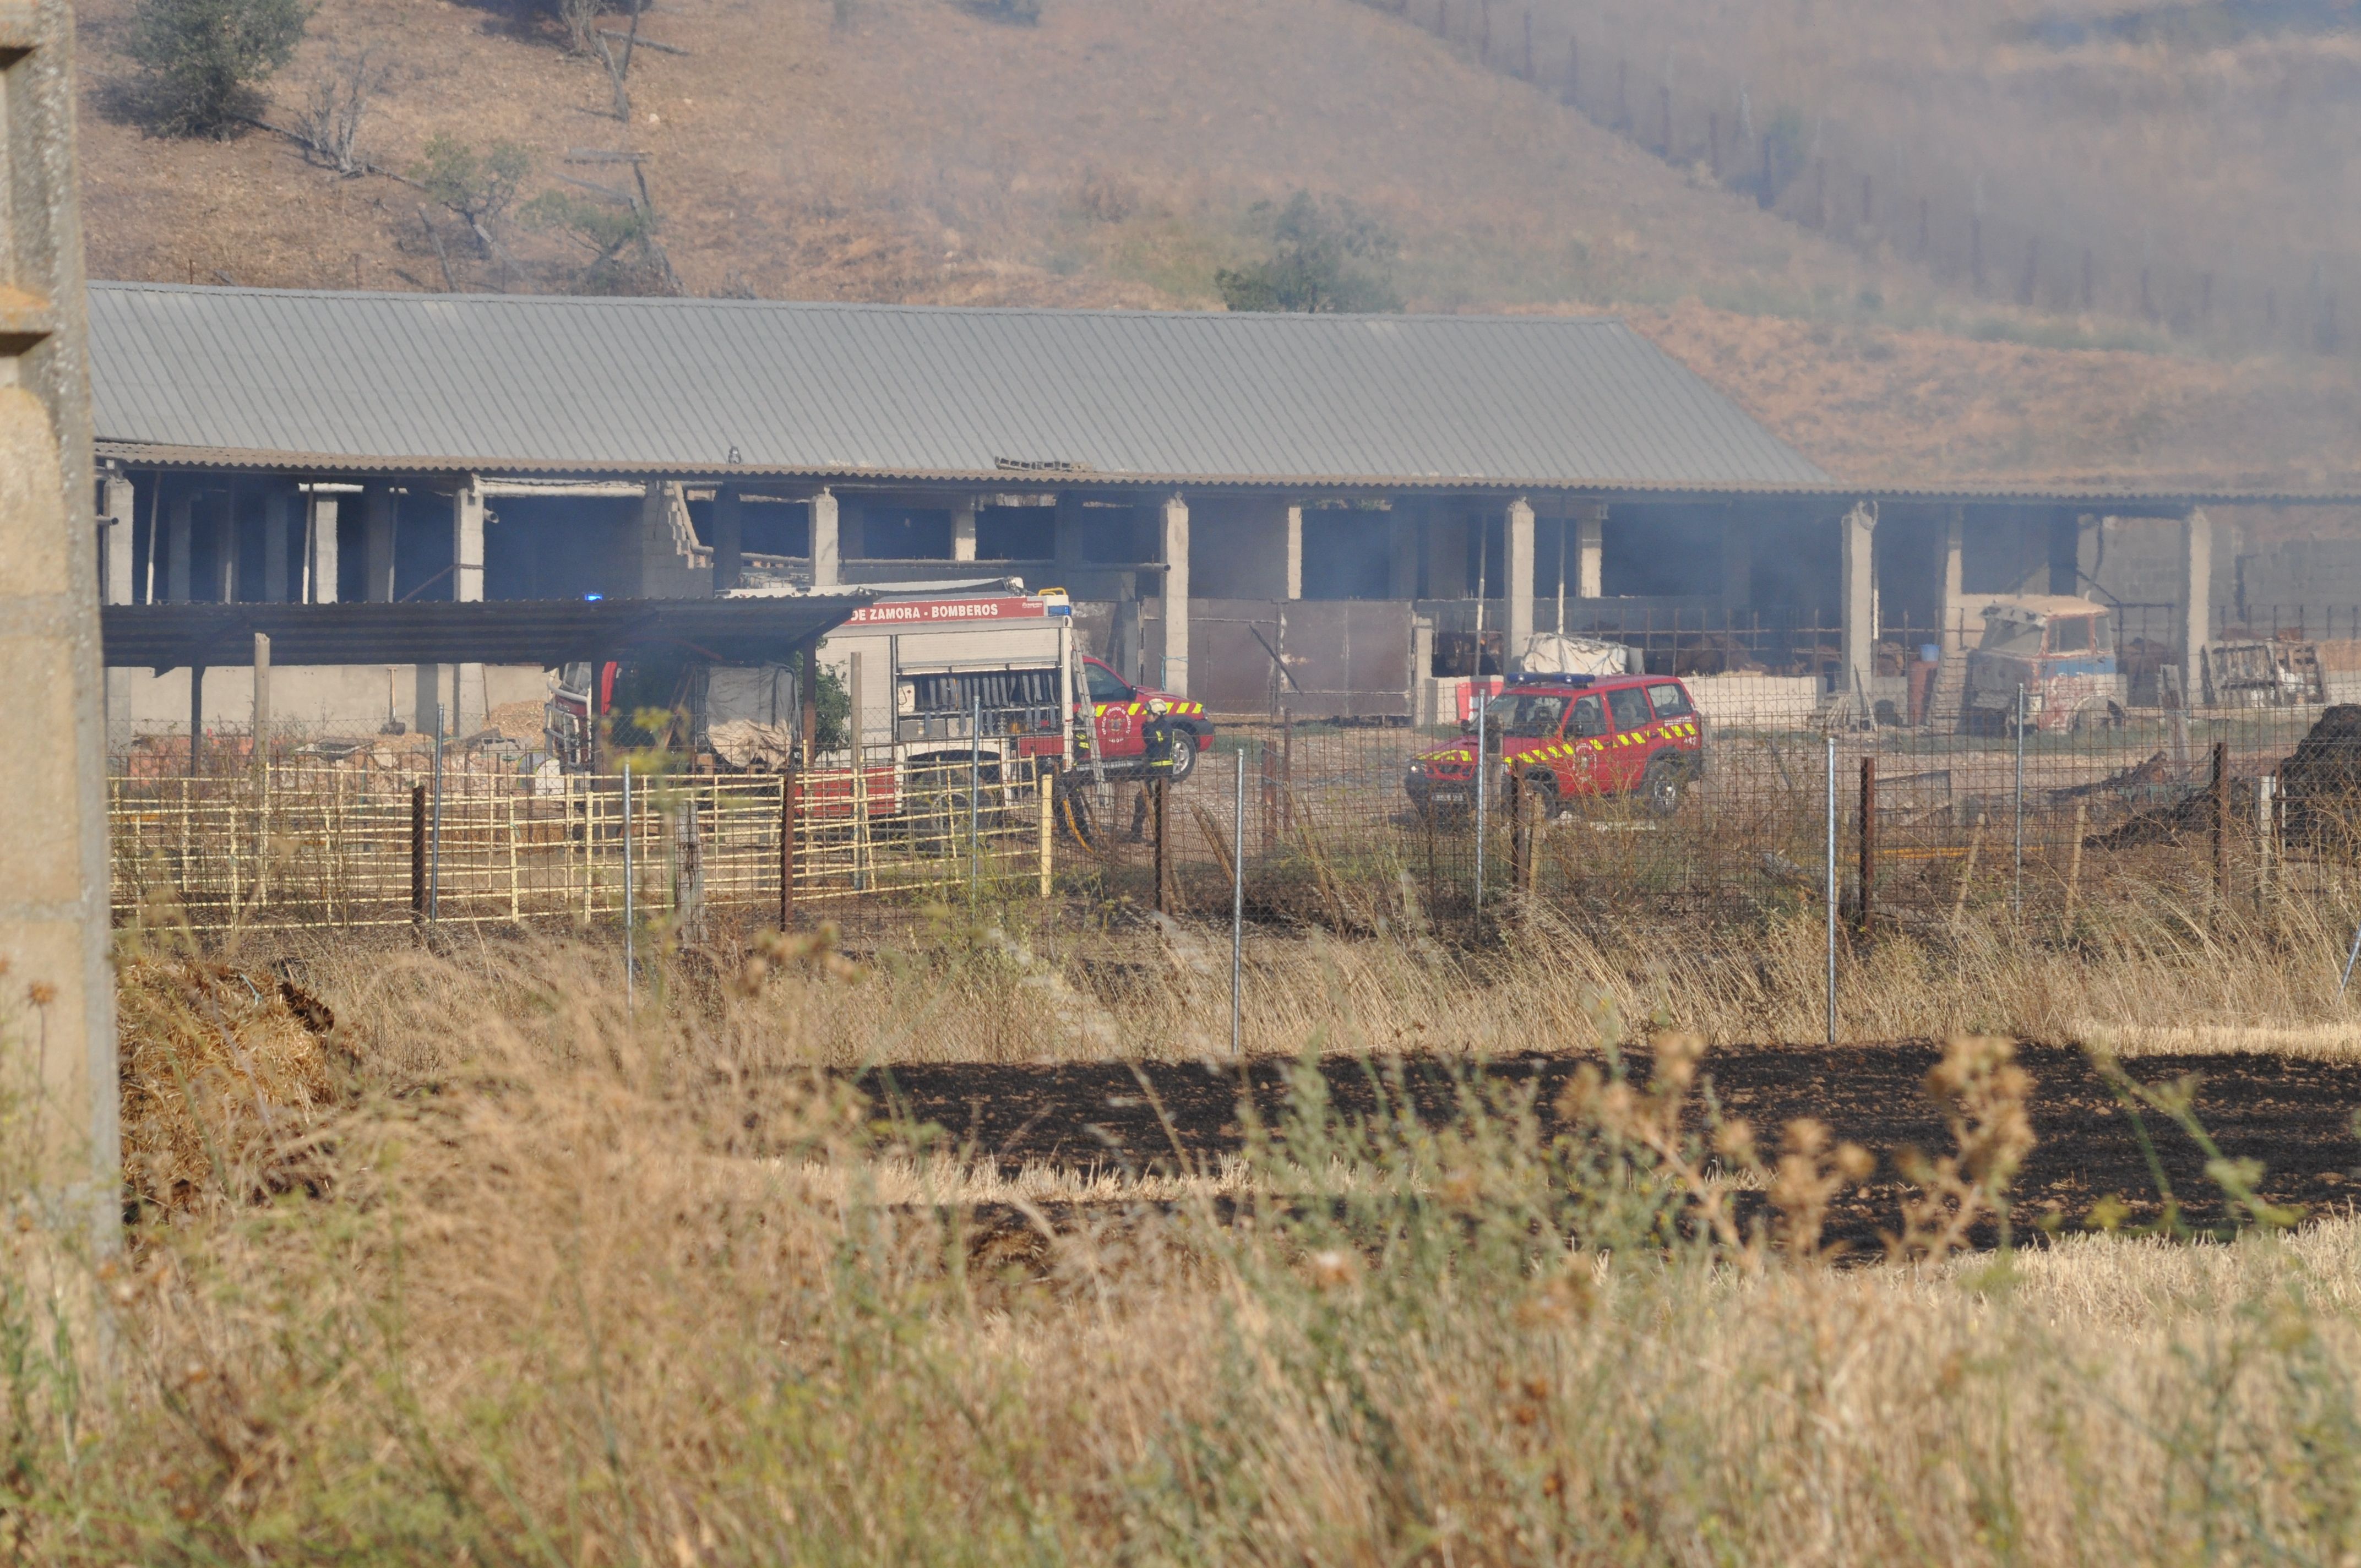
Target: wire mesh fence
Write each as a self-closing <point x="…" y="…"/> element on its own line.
<point x="1928" y="829"/>
<point x="341" y="847"/>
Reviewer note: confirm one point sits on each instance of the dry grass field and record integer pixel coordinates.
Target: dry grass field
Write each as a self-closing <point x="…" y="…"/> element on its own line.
<point x="501" y="1268"/>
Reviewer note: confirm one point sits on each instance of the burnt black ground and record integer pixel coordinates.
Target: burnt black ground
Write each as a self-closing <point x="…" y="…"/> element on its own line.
<point x="2293" y="1115"/>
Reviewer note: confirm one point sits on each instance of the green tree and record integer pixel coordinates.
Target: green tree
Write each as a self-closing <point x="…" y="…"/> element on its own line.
<point x="1324" y="256"/>
<point x="202" y="61"/>
<point x="478" y="186"/>
<point x="618" y="233"/>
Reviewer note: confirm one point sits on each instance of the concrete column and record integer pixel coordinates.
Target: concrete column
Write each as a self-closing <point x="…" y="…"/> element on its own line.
<point x="115" y="525"/>
<point x="261" y="730"/>
<point x="1402" y="575"/>
<point x="1589" y="549"/>
<point x="826" y="564"/>
<point x="468" y="542"/>
<point x="728" y="539"/>
<point x="1950" y="591"/>
<point x="1293" y="521"/>
<point x="1175" y="515"/>
<point x="274" y="546"/>
<point x="2193" y="625"/>
<point x="320" y="546"/>
<point x="1737" y="567"/>
<point x="427" y="694"/>
<point x="376" y="544"/>
<point x="1519" y="541"/>
<point x="1858" y="598"/>
<point x="467" y="700"/>
<point x="963" y="529"/>
<point x="225" y="583"/>
<point x="178" y="544"/>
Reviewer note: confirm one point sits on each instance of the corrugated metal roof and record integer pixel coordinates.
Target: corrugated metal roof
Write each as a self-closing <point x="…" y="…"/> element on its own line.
<point x="524" y="384"/>
<point x="497" y="631"/>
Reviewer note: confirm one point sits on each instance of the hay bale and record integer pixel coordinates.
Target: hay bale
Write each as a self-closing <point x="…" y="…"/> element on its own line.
<point x="225" y="1074"/>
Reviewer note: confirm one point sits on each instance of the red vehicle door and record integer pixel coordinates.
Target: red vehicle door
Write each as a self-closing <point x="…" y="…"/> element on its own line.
<point x="1116" y="728"/>
<point x="1587" y="736"/>
<point x="1633" y="742"/>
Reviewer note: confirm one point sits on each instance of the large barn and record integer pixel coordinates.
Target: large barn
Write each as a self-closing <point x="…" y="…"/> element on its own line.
<point x="1329" y="511"/>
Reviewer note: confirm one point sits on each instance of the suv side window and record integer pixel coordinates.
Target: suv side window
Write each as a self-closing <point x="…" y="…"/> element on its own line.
<point x="1103" y="686"/>
<point x="1590" y="719"/>
<point x="1671" y="701"/>
<point x="1629" y="707"/>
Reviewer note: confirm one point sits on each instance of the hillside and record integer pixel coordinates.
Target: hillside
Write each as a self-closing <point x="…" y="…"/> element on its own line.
<point x="1111" y="155"/>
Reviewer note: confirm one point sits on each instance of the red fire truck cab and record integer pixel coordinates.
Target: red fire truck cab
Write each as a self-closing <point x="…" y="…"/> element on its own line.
<point x="1569" y="736"/>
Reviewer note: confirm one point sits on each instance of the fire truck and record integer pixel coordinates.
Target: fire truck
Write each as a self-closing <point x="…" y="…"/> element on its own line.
<point x="941" y="678"/>
<point x="1573" y="735"/>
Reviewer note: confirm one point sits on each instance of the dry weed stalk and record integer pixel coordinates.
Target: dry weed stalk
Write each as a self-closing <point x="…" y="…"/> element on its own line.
<point x="1981" y="1093"/>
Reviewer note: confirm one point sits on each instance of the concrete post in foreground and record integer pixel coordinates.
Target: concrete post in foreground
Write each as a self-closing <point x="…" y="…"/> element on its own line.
<point x="261" y="701"/>
<point x="1174" y="516"/>
<point x="58" y="1074"/>
<point x="826" y="567"/>
<point x="2194" y="617"/>
<point x="1589" y="532"/>
<point x="1857" y="602"/>
<point x="1520" y="583"/>
<point x="1293" y="523"/>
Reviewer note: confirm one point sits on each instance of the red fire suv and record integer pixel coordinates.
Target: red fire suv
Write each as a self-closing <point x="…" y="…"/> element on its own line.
<point x="1120" y="710"/>
<point x="1575" y="735"/>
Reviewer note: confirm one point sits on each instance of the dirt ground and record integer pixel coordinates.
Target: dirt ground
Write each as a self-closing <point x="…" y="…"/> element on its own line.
<point x="2295" y="1117"/>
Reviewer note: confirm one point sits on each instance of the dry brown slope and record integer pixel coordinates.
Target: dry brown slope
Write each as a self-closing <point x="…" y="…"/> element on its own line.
<point x="924" y="153"/>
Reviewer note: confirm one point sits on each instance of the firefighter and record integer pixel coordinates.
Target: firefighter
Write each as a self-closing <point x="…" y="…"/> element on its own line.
<point x="1158" y="737"/>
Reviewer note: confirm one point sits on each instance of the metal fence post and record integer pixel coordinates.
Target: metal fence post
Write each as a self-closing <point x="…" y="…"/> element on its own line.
<point x="1237" y="908"/>
<point x="1046" y="789"/>
<point x="788" y="793"/>
<point x="434" y="863"/>
<point x="1158" y="795"/>
<point x="418" y="854"/>
<point x="2016" y="897"/>
<point x="2222" y="821"/>
<point x="630" y="972"/>
<point x="1868" y="841"/>
<point x="1482" y="767"/>
<point x="1831" y="888"/>
<point x="974" y="797"/>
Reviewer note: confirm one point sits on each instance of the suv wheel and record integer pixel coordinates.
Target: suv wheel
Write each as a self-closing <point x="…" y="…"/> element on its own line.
<point x="1184" y="755"/>
<point x="1662" y="786"/>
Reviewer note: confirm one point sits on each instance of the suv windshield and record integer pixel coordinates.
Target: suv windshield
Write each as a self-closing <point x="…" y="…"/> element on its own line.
<point x="1669" y="701"/>
<point x="1103" y="686"/>
<point x="1530" y="718"/>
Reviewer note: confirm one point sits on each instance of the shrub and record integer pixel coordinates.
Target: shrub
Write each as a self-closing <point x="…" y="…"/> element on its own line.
<point x="1324" y="256"/>
<point x="478" y="186"/>
<point x="202" y="61"/>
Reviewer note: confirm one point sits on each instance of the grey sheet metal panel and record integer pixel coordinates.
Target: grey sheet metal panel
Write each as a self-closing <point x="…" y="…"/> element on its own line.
<point x="490" y="631"/>
<point x="519" y="384"/>
<point x="1348" y="658"/>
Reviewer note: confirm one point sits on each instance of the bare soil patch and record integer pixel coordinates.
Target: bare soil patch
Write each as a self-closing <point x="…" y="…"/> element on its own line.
<point x="2295" y="1116"/>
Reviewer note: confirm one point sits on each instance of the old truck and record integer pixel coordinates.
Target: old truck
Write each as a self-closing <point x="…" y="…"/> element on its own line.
<point x="2058" y="650"/>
